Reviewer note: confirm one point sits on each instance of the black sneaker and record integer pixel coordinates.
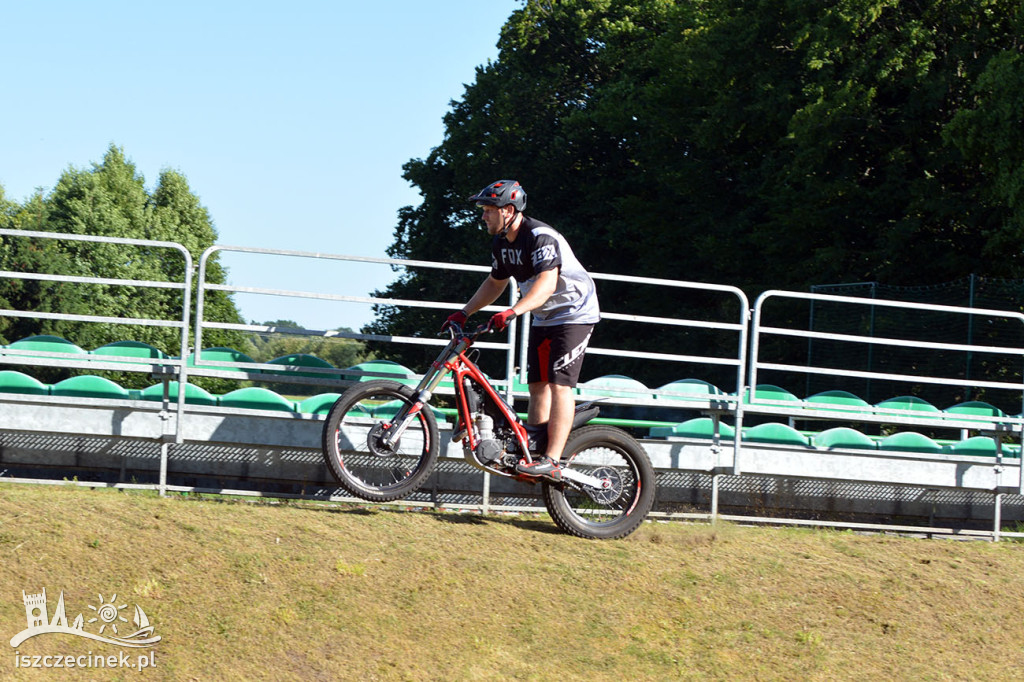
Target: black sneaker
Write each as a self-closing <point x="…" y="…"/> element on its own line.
<point x="543" y="467"/>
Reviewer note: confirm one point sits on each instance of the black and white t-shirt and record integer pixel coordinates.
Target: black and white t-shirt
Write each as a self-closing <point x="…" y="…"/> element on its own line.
<point x="538" y="247"/>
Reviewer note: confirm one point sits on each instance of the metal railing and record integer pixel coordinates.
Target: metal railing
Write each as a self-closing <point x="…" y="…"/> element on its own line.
<point x="163" y="368"/>
<point x="1008" y="380"/>
<point x="209" y="368"/>
<point x="733" y="356"/>
<point x="747" y="353"/>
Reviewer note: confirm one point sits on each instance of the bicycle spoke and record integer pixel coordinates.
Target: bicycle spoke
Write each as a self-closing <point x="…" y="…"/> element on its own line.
<point x="359" y="455"/>
<point x="603" y="506"/>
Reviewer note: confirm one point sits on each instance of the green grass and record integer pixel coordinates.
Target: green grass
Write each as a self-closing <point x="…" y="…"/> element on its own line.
<point x="294" y="591"/>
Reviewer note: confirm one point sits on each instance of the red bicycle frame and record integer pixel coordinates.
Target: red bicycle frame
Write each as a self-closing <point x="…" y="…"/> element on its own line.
<point x="453" y="359"/>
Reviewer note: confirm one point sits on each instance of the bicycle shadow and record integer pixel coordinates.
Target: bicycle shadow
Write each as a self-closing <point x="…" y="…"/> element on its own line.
<point x="530" y="524"/>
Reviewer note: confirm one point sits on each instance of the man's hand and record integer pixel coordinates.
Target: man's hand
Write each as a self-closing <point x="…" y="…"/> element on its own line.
<point x="500" y="320"/>
<point x="455" y="319"/>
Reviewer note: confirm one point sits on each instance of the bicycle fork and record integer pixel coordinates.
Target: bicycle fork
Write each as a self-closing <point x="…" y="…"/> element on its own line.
<point x="393" y="432"/>
<point x="424" y="392"/>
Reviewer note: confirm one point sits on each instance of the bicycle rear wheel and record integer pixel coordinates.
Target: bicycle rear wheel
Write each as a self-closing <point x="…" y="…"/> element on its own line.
<point x="615" y="511"/>
<point x="353" y="444"/>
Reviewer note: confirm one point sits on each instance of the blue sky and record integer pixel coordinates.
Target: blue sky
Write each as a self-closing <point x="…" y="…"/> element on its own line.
<point x="291" y="121"/>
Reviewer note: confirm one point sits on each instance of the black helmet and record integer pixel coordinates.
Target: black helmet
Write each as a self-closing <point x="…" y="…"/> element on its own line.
<point x="502" y="193"/>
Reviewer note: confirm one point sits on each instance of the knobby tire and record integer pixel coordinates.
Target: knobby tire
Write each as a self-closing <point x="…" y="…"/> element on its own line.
<point x="348" y="442"/>
<point x="603" y="450"/>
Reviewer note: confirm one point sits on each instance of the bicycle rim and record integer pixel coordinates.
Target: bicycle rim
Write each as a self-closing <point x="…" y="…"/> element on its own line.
<point x="611" y="512"/>
<point x="603" y="507"/>
<point x="361" y="464"/>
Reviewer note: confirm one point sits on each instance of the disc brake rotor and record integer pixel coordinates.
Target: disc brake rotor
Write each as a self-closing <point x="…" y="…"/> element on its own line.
<point x="611" y="489"/>
<point x="374" y="441"/>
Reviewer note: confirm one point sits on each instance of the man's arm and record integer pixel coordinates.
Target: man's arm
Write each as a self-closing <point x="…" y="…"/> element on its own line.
<point x="544" y="286"/>
<point x="487" y="294"/>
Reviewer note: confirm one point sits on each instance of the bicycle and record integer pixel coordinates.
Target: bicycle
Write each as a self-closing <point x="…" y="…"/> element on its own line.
<point x="380" y="441"/>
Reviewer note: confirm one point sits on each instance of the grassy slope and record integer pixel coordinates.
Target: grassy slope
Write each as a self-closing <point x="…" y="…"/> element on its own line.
<point x="260" y="591"/>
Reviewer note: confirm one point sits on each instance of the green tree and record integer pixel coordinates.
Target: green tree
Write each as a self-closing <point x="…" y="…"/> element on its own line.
<point x="179" y="217"/>
<point x="30" y="255"/>
<point x="109" y="200"/>
<point x="340" y="352"/>
<point x="989" y="134"/>
<point x="764" y="143"/>
<point x="531" y="115"/>
<point x="865" y="184"/>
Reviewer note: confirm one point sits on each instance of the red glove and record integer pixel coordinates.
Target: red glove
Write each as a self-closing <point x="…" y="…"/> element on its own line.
<point x="500" y="320"/>
<point x="457" y="319"/>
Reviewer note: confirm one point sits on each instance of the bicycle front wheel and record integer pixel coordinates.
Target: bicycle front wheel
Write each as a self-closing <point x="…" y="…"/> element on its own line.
<point x="355" y="449"/>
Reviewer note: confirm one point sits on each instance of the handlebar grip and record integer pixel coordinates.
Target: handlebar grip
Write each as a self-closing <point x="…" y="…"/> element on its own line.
<point x="455" y="330"/>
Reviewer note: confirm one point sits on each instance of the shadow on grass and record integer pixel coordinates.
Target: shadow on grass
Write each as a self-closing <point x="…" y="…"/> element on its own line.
<point x="461" y="519"/>
<point x="524" y="523"/>
<point x="353" y="511"/>
<point x="537" y="525"/>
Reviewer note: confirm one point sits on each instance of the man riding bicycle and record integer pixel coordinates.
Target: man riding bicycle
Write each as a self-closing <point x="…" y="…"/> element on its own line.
<point x="557" y="290"/>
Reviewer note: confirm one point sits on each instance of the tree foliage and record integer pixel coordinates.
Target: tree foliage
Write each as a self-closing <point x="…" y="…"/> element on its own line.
<point x="340" y="352"/>
<point x="763" y="143"/>
<point x="110" y="199"/>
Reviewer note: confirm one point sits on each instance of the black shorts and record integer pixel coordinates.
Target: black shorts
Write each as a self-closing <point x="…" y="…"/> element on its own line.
<point x="556" y="353"/>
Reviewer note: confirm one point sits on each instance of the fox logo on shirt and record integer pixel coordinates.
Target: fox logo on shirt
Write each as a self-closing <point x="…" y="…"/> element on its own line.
<point x="544" y="253"/>
<point x="512" y="256"/>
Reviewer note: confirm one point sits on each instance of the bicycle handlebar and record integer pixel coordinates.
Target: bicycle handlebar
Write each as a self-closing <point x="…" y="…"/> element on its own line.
<point x="457" y="331"/>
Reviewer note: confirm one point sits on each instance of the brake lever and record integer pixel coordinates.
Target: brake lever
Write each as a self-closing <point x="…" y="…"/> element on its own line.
<point x="451" y="328"/>
<point x="456" y="330"/>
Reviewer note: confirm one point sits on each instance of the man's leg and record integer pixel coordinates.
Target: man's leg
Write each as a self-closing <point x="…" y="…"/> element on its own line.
<point x="540" y="403"/>
<point x="555" y="405"/>
<point x="554" y="352"/>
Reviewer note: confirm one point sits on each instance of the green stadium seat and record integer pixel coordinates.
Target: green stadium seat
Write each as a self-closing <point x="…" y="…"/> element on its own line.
<point x="699" y="427"/>
<point x="978" y="446"/>
<point x="131" y="349"/>
<point x="387" y="410"/>
<point x="390" y="409"/>
<point x="838" y="400"/>
<point x="47" y="344"/>
<point x="303" y="360"/>
<point x="194" y="395"/>
<point x="844" y="437"/>
<point x="909" y="441"/>
<point x="909" y="403"/>
<point x="360" y="410"/>
<point x="319" y="404"/>
<point x="771" y="392"/>
<point x="687" y="389"/>
<point x="974" y="409"/>
<point x="221" y="354"/>
<point x="257" y="398"/>
<point x="614" y="386"/>
<point x="322" y="404"/>
<point x="90" y="387"/>
<point x="16" y="382"/>
<point x="519" y="386"/>
<point x="772" y="432"/>
<point x="389" y="370"/>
